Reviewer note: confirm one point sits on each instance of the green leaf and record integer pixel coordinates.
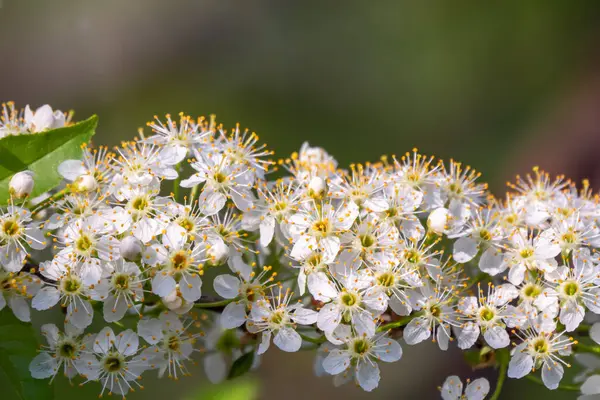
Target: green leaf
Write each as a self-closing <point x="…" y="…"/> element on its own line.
<point x="18" y="346"/>
<point x="241" y="365"/>
<point x="243" y="389"/>
<point x="42" y="153"/>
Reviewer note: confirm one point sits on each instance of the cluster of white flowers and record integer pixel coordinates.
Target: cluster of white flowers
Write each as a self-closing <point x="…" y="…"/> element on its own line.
<point x="341" y="261"/>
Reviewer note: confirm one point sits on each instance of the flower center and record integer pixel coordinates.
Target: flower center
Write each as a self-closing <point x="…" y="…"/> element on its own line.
<point x="541" y="346"/>
<point x="67" y="350"/>
<point x="571" y="288"/>
<point x="113" y="363"/>
<point x="349" y="299"/>
<point x="412" y="256"/>
<point x="277" y="318"/>
<point x="486" y="314"/>
<point x="140" y="203"/>
<point x="321" y="227"/>
<point x="180" y="261"/>
<point x="186" y="224"/>
<point x="367" y="240"/>
<point x="121" y="282"/>
<point x="391" y="212"/>
<point x="71" y="285"/>
<point x="84" y="243"/>
<point x="361" y="346"/>
<point x="220" y="177"/>
<point x="532" y="291"/>
<point x="569" y="238"/>
<point x="526" y="253"/>
<point x="11" y="228"/>
<point x="174" y="343"/>
<point x="485" y="235"/>
<point x="435" y="311"/>
<point x="386" y="279"/>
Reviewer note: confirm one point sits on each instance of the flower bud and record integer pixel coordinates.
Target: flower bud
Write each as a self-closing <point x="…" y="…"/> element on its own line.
<point x="438" y="220"/>
<point x="131" y="248"/>
<point x="176" y="303"/>
<point x="217" y="252"/>
<point x="86" y="183"/>
<point x="21" y="184"/>
<point x="317" y="187"/>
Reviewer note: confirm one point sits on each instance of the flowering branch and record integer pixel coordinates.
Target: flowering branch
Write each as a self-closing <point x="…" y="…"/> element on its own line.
<point x="419" y="243"/>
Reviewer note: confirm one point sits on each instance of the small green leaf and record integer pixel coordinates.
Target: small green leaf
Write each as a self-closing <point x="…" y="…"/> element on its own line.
<point x="241" y="365"/>
<point x="42" y="153"/>
<point x="18" y="346"/>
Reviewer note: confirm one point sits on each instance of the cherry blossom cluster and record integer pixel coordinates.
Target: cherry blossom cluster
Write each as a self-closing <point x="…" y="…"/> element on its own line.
<point x="191" y="243"/>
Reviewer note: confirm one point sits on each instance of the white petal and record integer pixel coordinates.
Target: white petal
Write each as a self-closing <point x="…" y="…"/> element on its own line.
<point x="496" y="337"/>
<point x="595" y="332"/>
<point x="163" y="284"/>
<point x="329" y="317"/>
<point x="191" y="287"/>
<point x="388" y="350"/>
<point x="468" y="335"/>
<point x="336" y="362"/>
<point x="227" y="286"/>
<point x="288" y="340"/>
<point x="43" y="366"/>
<point x="591" y="385"/>
<point x="465" y="249"/>
<point x="20" y="308"/>
<point x="150" y="330"/>
<point x="520" y="365"/>
<point x="127" y="342"/>
<point x="452" y="388"/>
<point x="571" y="316"/>
<point x="114" y="309"/>
<point x="304" y="316"/>
<point x="104" y="340"/>
<point x="46" y="298"/>
<point x="321" y="287"/>
<point x="478" y="389"/>
<point x="367" y="375"/>
<point x="71" y="169"/>
<point x="233" y="315"/>
<point x="267" y="229"/>
<point x="215" y="367"/>
<point x="417" y="330"/>
<point x="552" y="373"/>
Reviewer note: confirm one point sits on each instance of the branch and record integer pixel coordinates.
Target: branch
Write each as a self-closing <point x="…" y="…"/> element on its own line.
<point x="503" y="358"/>
<point x="569" y="388"/>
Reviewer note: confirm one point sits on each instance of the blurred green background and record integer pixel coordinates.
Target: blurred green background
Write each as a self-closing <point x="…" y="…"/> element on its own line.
<point x="500" y="85"/>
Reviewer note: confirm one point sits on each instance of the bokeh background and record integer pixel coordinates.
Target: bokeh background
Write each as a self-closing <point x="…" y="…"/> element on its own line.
<point x="499" y="85"/>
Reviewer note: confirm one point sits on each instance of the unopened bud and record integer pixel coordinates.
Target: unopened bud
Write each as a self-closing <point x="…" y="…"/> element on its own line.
<point x="438" y="220"/>
<point x="21" y="184"/>
<point x="317" y="186"/>
<point x="218" y="252"/>
<point x="86" y="183"/>
<point x="131" y="248"/>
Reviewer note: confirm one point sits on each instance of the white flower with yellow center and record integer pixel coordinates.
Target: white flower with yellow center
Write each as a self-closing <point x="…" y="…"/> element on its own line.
<point x="172" y="345"/>
<point x="359" y="356"/>
<point x="485" y="314"/>
<point x="63" y="351"/>
<point x="18" y="233"/>
<point x="222" y="180"/>
<point x="68" y="289"/>
<point x="115" y="362"/>
<point x="319" y="226"/>
<point x="452" y="389"/>
<point x="540" y="350"/>
<point x="277" y="319"/>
